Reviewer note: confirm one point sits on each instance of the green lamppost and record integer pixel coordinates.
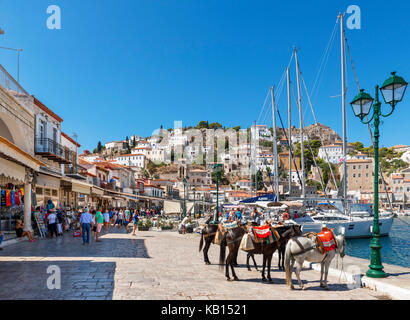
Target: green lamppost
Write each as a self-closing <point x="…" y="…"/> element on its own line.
<point x="185" y="184"/>
<point x="193" y="189"/>
<point x="393" y="91"/>
<point x="217" y="170"/>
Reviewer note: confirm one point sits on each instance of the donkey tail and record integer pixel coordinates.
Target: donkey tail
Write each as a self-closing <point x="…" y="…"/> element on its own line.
<point x="201" y="242"/>
<point x="222" y="252"/>
<point x="288" y="255"/>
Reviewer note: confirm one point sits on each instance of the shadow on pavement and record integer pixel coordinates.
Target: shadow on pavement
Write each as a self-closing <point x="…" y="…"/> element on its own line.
<point x="79" y="280"/>
<point x="68" y="246"/>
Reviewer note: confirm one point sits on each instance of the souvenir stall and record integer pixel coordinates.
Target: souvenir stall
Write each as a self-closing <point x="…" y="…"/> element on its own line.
<point x="12" y="203"/>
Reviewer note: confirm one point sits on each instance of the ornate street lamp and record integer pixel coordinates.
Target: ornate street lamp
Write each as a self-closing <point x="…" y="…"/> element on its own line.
<point x="392" y="90"/>
<point x="217" y="170"/>
<point x="193" y="189"/>
<point x="185" y="184"/>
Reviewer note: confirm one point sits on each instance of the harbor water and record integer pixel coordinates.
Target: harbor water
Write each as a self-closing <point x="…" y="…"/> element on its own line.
<point x="395" y="248"/>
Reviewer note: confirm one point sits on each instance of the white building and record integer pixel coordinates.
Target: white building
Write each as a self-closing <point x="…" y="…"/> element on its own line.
<point x="406" y="157"/>
<point x="260" y="132"/>
<point x="131" y="160"/>
<point x="114" y="145"/>
<point x="331" y="153"/>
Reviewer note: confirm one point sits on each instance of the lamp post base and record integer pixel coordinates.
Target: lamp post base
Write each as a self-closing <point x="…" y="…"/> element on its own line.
<point x="376" y="272"/>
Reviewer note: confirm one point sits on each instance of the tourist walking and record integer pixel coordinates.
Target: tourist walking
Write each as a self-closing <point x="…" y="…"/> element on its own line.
<point x="93" y="223"/>
<point x="52" y="223"/>
<point x="99" y="219"/>
<point x="127" y="216"/>
<point x="106" y="217"/>
<point x="120" y="218"/>
<point x="135" y="219"/>
<point x="114" y="218"/>
<point x="60" y="219"/>
<point x="85" y="221"/>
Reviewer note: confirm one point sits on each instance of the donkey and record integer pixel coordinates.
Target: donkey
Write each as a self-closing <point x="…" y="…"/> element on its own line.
<point x="208" y="233"/>
<point x="232" y="239"/>
<point x="303" y="248"/>
<point x="285" y="232"/>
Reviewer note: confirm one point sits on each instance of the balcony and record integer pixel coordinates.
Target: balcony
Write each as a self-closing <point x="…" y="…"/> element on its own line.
<point x="75" y="171"/>
<point x="52" y="150"/>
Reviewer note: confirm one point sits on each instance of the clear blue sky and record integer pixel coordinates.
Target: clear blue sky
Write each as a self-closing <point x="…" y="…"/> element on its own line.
<point x="122" y="67"/>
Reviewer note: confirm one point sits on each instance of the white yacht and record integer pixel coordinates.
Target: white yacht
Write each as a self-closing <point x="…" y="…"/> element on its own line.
<point x="358" y="224"/>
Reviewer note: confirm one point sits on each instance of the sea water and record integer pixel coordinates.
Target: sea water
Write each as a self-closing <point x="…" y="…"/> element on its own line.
<point x="395" y="247"/>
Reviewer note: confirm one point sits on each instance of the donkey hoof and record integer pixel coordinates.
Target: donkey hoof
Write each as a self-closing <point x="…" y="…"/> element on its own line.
<point x="236" y="265"/>
<point x="236" y="279"/>
<point x="304" y="287"/>
<point x="264" y="279"/>
<point x="292" y="287"/>
<point x="207" y="263"/>
<point x="249" y="269"/>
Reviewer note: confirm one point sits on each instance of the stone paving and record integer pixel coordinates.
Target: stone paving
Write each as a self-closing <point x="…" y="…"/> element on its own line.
<point x="152" y="265"/>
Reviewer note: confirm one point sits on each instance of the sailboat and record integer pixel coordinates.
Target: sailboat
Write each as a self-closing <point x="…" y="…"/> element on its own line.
<point x="356" y="221"/>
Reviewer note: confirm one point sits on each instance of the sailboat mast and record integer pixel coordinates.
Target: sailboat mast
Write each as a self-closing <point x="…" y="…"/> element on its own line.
<point x="302" y="158"/>
<point x="342" y="48"/>
<point x="275" y="147"/>
<point x="290" y="133"/>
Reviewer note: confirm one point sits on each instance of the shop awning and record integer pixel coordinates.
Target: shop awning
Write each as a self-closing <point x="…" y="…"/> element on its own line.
<point x="12" y="170"/>
<point x="9" y="151"/>
<point x="80" y="188"/>
<point x="14" y="161"/>
<point x="97" y="191"/>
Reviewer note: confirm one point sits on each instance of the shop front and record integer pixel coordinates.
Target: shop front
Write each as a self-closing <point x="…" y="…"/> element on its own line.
<point x="74" y="193"/>
<point x="47" y="190"/>
<point x="17" y="169"/>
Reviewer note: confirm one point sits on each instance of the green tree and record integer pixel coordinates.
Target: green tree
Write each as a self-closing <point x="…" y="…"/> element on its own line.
<point x="223" y="180"/>
<point x="99" y="147"/>
<point x="202" y="125"/>
<point x="215" y="125"/>
<point x="308" y="157"/>
<point x="358" y="145"/>
<point x="260" y="184"/>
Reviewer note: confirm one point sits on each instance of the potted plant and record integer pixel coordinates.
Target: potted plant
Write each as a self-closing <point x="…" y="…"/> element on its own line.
<point x="166" y="225"/>
<point x="144" y="224"/>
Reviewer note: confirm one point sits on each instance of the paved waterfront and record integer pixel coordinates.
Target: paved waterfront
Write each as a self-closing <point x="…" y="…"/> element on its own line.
<point x="153" y="265"/>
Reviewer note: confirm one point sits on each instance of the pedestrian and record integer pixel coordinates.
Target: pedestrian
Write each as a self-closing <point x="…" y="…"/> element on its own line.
<point x="60" y="219"/>
<point x="120" y="218"/>
<point x="135" y="219"/>
<point x="127" y="216"/>
<point x="93" y="223"/>
<point x="114" y="218"/>
<point x="52" y="222"/>
<point x="85" y="221"/>
<point x="239" y="215"/>
<point x="106" y="217"/>
<point x="99" y="219"/>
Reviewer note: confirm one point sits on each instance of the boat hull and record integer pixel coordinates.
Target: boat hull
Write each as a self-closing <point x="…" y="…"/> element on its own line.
<point x="353" y="229"/>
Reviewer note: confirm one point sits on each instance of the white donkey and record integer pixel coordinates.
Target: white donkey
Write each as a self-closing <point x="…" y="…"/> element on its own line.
<point x="301" y="248"/>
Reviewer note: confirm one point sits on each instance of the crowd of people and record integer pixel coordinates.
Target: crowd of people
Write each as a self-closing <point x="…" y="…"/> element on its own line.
<point x="88" y="222"/>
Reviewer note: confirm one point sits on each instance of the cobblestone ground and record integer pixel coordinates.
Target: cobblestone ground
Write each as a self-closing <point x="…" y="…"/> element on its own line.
<point x="151" y="265"/>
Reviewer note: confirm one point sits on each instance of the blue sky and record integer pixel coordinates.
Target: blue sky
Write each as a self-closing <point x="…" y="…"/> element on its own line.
<point x="118" y="68"/>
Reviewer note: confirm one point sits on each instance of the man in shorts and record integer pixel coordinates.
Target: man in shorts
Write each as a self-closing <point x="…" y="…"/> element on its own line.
<point x="99" y="219"/>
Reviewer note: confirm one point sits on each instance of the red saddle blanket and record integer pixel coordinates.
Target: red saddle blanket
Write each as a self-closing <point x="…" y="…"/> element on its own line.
<point x="328" y="240"/>
<point x="262" y="232"/>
